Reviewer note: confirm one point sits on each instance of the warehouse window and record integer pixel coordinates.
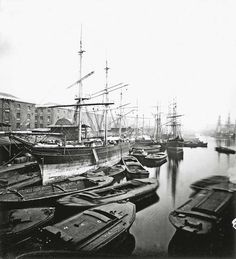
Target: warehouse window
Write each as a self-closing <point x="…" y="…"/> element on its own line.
<point x="18" y="115"/>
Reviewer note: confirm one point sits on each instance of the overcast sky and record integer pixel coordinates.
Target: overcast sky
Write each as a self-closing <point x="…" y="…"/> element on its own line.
<point x="162" y="49"/>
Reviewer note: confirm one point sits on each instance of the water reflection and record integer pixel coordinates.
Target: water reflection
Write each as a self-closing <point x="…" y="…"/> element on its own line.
<point x="174" y="160"/>
<point x="146" y="202"/>
<point x="152" y="164"/>
<point x="187" y="245"/>
<point x="228" y="142"/>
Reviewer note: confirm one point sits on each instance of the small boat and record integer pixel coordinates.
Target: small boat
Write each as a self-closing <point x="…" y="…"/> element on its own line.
<point x="89" y="231"/>
<point x="22" y="167"/>
<point x="203" y="213"/>
<point x="202" y="144"/>
<point x="150" y="149"/>
<point x="112" y="171"/>
<point x="189" y="143"/>
<point x="48" y="194"/>
<point x="209" y="182"/>
<point x="138" y="153"/>
<point x="134" y="168"/>
<point x="20" y="175"/>
<point x="194" y="143"/>
<point x="18" y="181"/>
<point x="158" y="157"/>
<point x="134" y="190"/>
<point x="124" y="245"/>
<point x="21" y="223"/>
<point x="225" y="150"/>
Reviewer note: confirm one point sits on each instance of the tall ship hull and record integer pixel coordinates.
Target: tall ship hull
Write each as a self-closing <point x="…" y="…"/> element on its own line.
<point x="60" y="162"/>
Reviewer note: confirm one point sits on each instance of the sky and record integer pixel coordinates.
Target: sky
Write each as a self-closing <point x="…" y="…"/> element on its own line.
<point x="163" y="49"/>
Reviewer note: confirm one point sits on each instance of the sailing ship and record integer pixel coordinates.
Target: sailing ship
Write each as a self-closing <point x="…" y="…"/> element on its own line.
<point x="174" y="143"/>
<point x="175" y="139"/>
<point x="70" y="159"/>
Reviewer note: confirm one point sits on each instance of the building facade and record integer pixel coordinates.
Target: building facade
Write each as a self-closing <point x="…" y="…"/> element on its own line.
<point x="15" y="112"/>
<point x="46" y="115"/>
<point x="21" y="115"/>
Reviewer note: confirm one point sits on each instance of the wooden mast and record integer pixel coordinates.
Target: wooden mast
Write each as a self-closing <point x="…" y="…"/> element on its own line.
<point x="120" y="113"/>
<point x="81" y="51"/>
<point x="106" y="100"/>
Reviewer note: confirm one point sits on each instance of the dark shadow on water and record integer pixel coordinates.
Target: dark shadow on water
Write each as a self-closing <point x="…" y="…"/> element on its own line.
<point x="227" y="142"/>
<point x="146" y="202"/>
<point x="191" y="245"/>
<point x="219" y="243"/>
<point x="172" y="172"/>
<point x="124" y="245"/>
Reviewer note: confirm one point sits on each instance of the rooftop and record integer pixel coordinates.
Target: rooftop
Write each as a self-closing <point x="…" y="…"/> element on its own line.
<point x="8" y="96"/>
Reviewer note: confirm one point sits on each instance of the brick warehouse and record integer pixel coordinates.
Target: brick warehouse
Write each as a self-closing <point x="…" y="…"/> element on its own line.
<point x="19" y="114"/>
<point x="22" y="115"/>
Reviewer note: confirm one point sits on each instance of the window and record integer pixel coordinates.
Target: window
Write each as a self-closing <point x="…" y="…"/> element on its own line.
<point x="36" y="117"/>
<point x="29" y="108"/>
<point x="6" y="116"/>
<point x="28" y="116"/>
<point x="41" y="117"/>
<point x="28" y="125"/>
<point x="18" y="125"/>
<point x="18" y="106"/>
<point x="41" y="125"/>
<point x="18" y="115"/>
<point x="36" y="125"/>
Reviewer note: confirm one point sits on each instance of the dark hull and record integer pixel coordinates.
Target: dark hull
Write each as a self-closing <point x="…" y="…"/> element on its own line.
<point x="133" y="191"/>
<point x="97" y="228"/>
<point x="62" y="155"/>
<point x="134" y="169"/>
<point x="203" y="213"/>
<point x="225" y="150"/>
<point x="211" y="182"/>
<point x="60" y="162"/>
<point x="25" y="222"/>
<point x="154" y="163"/>
<point x="38" y="196"/>
<point x="19" y="176"/>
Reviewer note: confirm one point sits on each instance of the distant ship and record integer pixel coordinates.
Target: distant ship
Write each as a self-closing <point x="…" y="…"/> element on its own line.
<point x="174" y="139"/>
<point x="60" y="161"/>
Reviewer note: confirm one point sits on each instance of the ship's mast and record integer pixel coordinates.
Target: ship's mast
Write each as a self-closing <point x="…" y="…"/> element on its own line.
<point x="137" y="122"/>
<point x="121" y="94"/>
<point x="174" y="122"/>
<point x="218" y="127"/>
<point x="143" y="127"/>
<point x="80" y="99"/>
<point x="158" y="125"/>
<point x="228" y="124"/>
<point x="106" y="107"/>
